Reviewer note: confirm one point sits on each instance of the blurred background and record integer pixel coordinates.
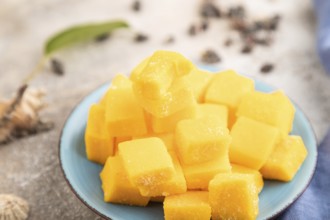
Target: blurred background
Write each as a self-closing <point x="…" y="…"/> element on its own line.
<point x="29" y="167"/>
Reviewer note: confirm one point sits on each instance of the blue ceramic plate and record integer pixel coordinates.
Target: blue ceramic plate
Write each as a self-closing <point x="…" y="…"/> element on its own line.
<point x="83" y="175"/>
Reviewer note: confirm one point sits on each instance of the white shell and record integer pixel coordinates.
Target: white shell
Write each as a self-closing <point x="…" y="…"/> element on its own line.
<point x="13" y="207"/>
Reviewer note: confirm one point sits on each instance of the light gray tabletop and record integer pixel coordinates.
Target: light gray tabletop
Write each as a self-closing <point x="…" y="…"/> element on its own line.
<point x="29" y="167"/>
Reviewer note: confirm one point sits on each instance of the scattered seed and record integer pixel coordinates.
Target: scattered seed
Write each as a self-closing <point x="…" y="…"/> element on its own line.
<point x="246" y="49"/>
<point x="266" y="68"/>
<point x="210" y="57"/>
<point x="204" y="25"/>
<point x="140" y="37"/>
<point x="228" y="42"/>
<point x="136" y="6"/>
<point x="102" y="38"/>
<point x="169" y="40"/>
<point x="57" y="67"/>
<point x="236" y="12"/>
<point x="192" y="31"/>
<point x="209" y="10"/>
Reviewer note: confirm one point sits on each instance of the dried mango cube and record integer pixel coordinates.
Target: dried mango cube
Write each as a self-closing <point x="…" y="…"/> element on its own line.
<point x="228" y="88"/>
<point x="147" y="162"/>
<point x="220" y="111"/>
<point x="168" y="124"/>
<point x="159" y="72"/>
<point x="259" y="182"/>
<point x="124" y="115"/>
<point x="271" y="108"/>
<point x="252" y="142"/>
<point x="99" y="143"/>
<point x="175" y="185"/>
<point x="116" y="186"/>
<point x="176" y="98"/>
<point x="285" y="160"/>
<point x="233" y="196"/>
<point x="199" y="175"/>
<point x="200" y="140"/>
<point x="199" y="80"/>
<point x="192" y="205"/>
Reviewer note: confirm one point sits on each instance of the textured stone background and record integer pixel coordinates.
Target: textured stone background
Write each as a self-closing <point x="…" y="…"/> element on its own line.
<point x="30" y="168"/>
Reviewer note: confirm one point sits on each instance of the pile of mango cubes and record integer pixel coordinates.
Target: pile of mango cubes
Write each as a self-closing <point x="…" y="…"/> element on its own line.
<point x="199" y="142"/>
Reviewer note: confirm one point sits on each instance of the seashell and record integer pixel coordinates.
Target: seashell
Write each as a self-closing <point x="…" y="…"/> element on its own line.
<point x="13" y="207"/>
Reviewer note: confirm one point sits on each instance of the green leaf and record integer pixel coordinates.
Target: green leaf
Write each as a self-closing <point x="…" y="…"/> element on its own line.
<point x="80" y="33"/>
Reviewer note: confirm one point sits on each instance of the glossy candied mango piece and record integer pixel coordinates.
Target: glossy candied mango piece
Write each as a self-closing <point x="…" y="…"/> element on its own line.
<point x="192" y="205"/>
<point x="176" y="98"/>
<point x="153" y="78"/>
<point x="99" y="143"/>
<point x="220" y="111"/>
<point x="174" y="185"/>
<point x="228" y="88"/>
<point x="200" y="140"/>
<point x="168" y="124"/>
<point x="233" y="196"/>
<point x="199" y="81"/>
<point x="116" y="186"/>
<point x="147" y="162"/>
<point x="252" y="142"/>
<point x="199" y="175"/>
<point x="273" y="108"/>
<point x="285" y="160"/>
<point x="124" y="116"/>
<point x="259" y="182"/>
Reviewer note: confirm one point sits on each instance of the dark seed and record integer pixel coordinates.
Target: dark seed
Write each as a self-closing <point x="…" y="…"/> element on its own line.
<point x="210" y="57"/>
<point x="209" y="10"/>
<point x="192" y="31"/>
<point x="57" y="67"/>
<point x="247" y="49"/>
<point x="102" y="38"/>
<point x="204" y="25"/>
<point x="228" y="42"/>
<point x="169" y="40"/>
<point x="136" y="6"/>
<point x="140" y="37"/>
<point x="266" y="68"/>
<point x="236" y="12"/>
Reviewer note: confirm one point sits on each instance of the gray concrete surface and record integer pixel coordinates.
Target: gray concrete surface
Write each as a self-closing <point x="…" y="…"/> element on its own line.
<point x="29" y="167"/>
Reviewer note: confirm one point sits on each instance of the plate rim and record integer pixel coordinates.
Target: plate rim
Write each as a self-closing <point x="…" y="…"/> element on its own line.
<point x="278" y="213"/>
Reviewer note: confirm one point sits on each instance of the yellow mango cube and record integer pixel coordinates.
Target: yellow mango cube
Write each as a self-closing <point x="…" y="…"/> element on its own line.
<point x="199" y="81"/>
<point x="99" y="143"/>
<point x="220" y="111"/>
<point x="252" y="142"/>
<point x="160" y="86"/>
<point x="177" y="97"/>
<point x="167" y="138"/>
<point x="168" y="124"/>
<point x="259" y="182"/>
<point x="116" y="186"/>
<point x="233" y="196"/>
<point x="200" y="140"/>
<point x="175" y="185"/>
<point x="147" y="162"/>
<point x="124" y="115"/>
<point x="192" y="205"/>
<point x="154" y="79"/>
<point x="228" y="88"/>
<point x="271" y="108"/>
<point x="199" y="175"/>
<point x="285" y="160"/>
